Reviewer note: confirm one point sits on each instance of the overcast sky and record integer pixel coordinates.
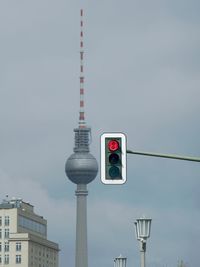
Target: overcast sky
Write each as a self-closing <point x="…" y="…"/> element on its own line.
<point x="142" y="65"/>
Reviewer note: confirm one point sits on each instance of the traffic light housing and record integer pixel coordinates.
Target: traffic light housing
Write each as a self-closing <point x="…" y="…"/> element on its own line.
<point x="113" y="158"/>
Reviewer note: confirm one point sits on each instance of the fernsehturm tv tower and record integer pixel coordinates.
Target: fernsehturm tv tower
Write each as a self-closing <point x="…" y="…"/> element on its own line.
<point x="81" y="168"/>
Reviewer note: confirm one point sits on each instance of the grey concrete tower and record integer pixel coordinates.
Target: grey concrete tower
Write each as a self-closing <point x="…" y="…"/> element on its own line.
<point x="81" y="168"/>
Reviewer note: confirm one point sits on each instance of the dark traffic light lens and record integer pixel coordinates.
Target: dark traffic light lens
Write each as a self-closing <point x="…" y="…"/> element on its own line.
<point x="113" y="145"/>
<point x="114" y="172"/>
<point x="114" y="158"/>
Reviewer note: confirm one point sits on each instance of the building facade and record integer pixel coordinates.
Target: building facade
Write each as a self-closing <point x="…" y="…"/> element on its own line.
<point x="23" y="237"/>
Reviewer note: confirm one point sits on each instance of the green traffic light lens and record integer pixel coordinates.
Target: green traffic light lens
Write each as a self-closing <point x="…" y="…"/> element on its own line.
<point x="114" y="158"/>
<point x="114" y="172"/>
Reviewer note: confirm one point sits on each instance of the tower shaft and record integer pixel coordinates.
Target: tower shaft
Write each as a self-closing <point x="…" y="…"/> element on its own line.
<point x="81" y="259"/>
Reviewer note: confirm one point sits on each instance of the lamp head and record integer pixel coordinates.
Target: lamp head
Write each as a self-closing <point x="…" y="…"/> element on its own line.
<point x="143" y="228"/>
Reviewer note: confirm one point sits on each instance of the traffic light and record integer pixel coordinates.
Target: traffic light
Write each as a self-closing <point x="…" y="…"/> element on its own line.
<point x="113" y="158"/>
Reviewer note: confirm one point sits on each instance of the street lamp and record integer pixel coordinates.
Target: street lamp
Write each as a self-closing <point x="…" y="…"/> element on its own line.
<point x="142" y="231"/>
<point x="120" y="261"/>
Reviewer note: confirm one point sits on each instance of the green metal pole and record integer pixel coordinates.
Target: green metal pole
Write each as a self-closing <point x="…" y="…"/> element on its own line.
<point x="197" y="159"/>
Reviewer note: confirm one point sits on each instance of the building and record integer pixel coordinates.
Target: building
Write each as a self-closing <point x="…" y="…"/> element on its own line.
<point x="23" y="237"/>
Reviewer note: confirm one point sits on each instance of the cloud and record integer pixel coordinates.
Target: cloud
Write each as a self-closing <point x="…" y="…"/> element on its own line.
<point x="142" y="78"/>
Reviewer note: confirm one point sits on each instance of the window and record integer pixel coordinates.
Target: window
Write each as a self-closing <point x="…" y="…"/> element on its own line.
<point x="7" y="220"/>
<point x="32" y="225"/>
<point x="0" y="247"/>
<point x="6" y="233"/>
<point x="18" y="258"/>
<point x="6" y="246"/>
<point x="18" y="246"/>
<point x="6" y="259"/>
<point x="0" y="233"/>
<point x="0" y="221"/>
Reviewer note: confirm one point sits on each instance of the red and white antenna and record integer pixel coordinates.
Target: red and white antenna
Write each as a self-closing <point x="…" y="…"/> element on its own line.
<point x="81" y="112"/>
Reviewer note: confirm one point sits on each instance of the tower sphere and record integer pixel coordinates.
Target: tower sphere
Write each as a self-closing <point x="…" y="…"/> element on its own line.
<point x="81" y="168"/>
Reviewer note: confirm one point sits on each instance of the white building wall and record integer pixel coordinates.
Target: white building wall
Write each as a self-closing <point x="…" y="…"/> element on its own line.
<point x="42" y="256"/>
<point x="23" y="254"/>
<point x="8" y="225"/>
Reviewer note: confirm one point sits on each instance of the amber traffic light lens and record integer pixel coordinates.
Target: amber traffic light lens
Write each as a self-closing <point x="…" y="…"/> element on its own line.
<point x="114" y="158"/>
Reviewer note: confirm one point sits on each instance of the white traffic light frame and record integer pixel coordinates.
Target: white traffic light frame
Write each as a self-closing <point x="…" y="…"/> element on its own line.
<point x="105" y="179"/>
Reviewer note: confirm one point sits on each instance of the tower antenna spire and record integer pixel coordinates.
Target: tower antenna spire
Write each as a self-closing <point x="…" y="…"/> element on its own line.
<point x="82" y="104"/>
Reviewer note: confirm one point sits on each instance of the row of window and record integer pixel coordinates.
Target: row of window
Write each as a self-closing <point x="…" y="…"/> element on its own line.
<point x="6" y="246"/>
<point x="26" y="223"/>
<point x="32" y="225"/>
<point x="42" y="262"/>
<point x="18" y="259"/>
<point x="6" y="221"/>
<point x="6" y="233"/>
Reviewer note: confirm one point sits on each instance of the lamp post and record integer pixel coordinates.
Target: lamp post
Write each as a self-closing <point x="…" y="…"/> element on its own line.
<point x="142" y="231"/>
<point x="120" y="261"/>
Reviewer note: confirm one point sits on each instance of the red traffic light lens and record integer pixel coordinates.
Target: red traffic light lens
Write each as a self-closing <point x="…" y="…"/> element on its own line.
<point x="113" y="145"/>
